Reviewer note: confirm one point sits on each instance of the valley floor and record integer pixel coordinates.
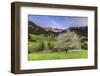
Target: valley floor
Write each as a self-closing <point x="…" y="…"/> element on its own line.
<point x="58" y="55"/>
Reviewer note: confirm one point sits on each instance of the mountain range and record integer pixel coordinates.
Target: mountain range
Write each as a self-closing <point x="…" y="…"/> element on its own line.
<point x="36" y="29"/>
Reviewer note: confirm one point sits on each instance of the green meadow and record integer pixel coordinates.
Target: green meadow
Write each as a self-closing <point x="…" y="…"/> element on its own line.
<point x="58" y="55"/>
<point x="40" y="47"/>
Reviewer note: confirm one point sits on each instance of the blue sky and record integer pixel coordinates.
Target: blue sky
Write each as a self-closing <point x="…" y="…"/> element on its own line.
<point x="61" y="22"/>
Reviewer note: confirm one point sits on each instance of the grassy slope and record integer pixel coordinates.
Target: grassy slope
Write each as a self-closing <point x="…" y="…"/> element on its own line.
<point x="38" y="38"/>
<point x="57" y="55"/>
<point x="51" y="55"/>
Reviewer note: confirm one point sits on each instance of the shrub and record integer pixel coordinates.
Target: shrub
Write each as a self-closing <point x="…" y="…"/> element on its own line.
<point x="84" y="44"/>
<point x="41" y="46"/>
<point x="50" y="45"/>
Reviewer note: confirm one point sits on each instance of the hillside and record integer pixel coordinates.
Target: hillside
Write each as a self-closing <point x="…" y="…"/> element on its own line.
<point x="36" y="29"/>
<point x="81" y="31"/>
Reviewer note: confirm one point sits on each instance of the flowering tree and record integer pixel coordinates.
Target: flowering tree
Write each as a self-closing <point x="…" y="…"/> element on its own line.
<point x="67" y="40"/>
